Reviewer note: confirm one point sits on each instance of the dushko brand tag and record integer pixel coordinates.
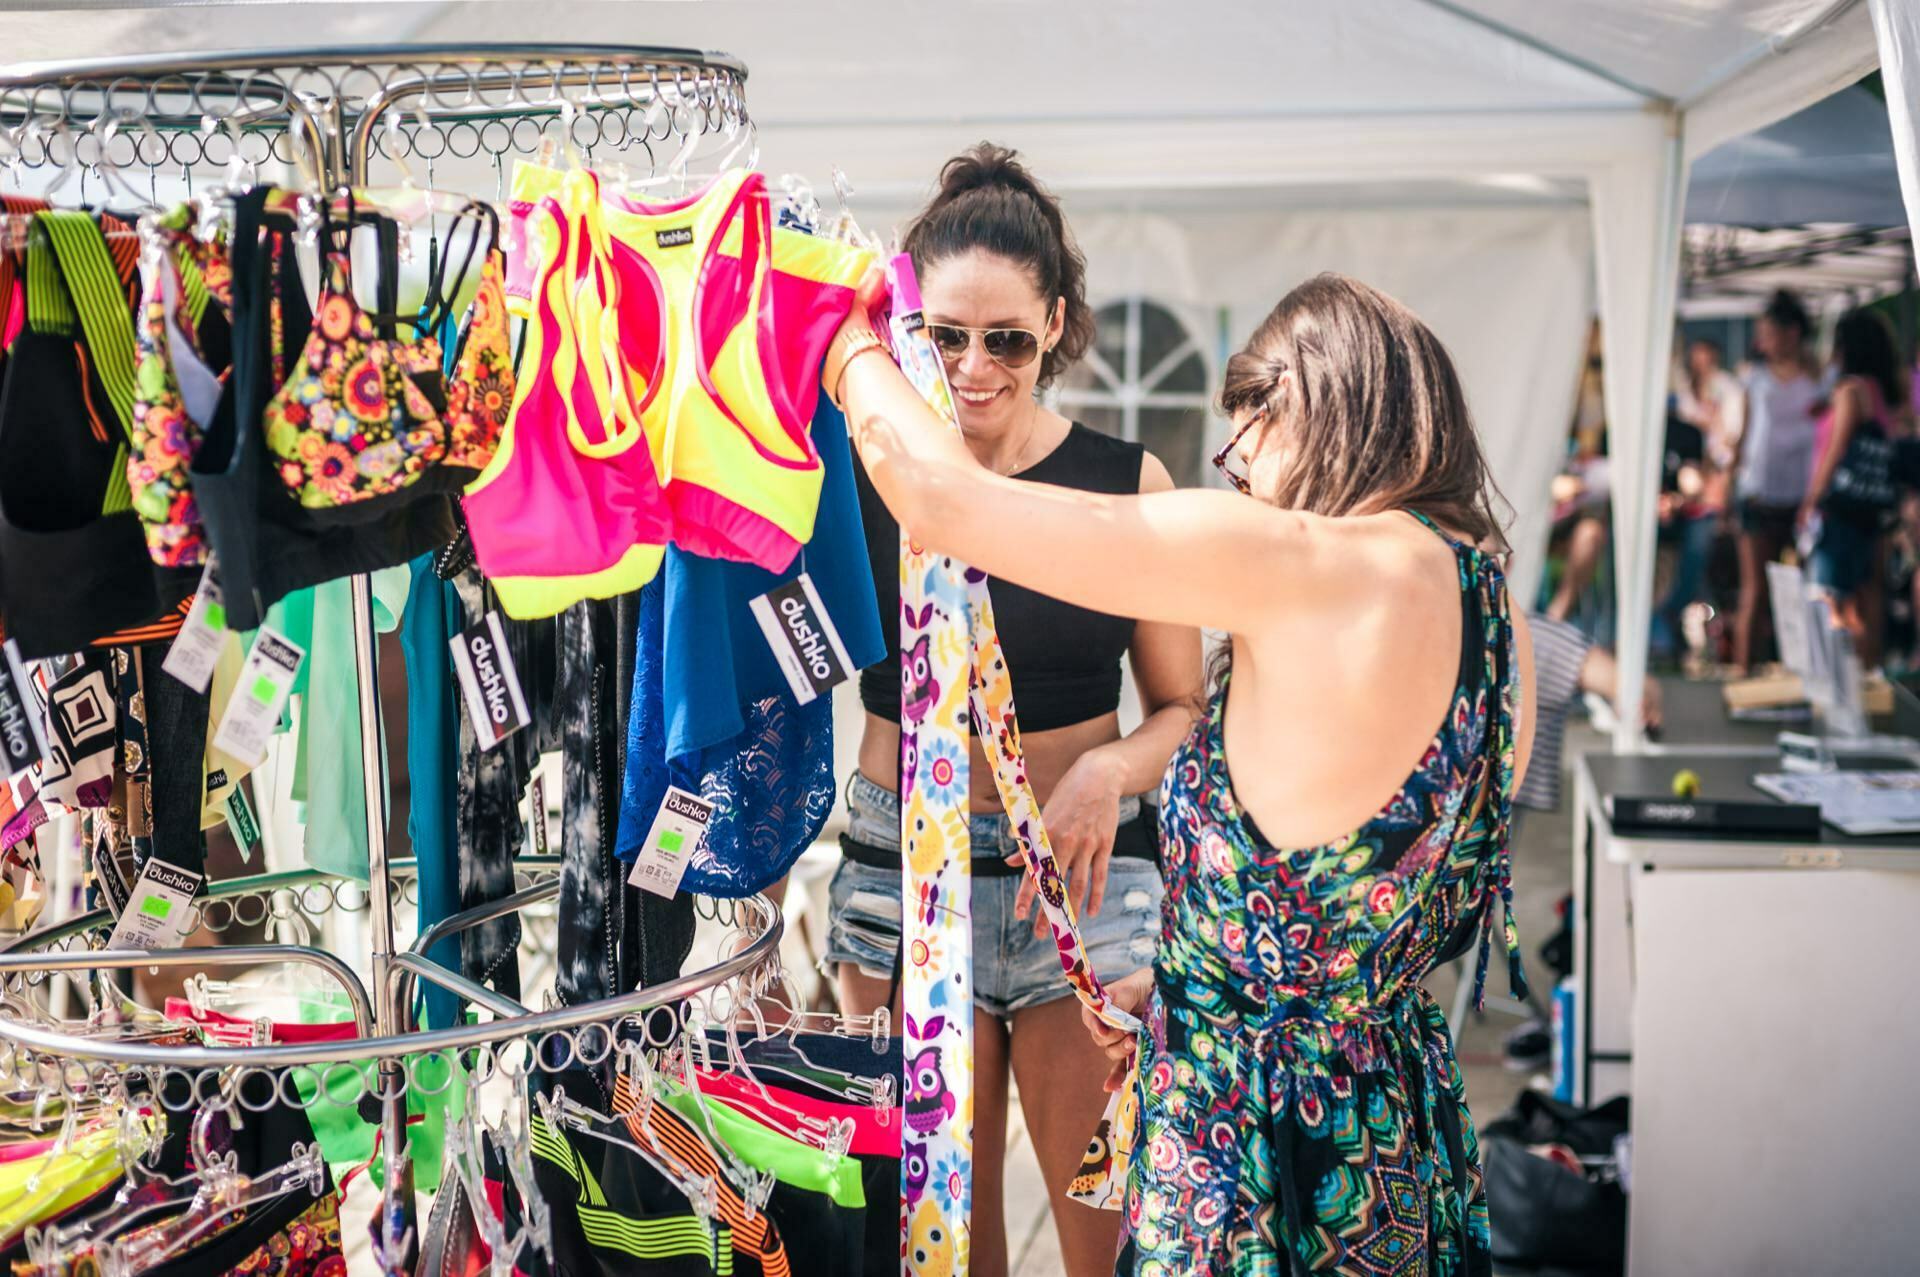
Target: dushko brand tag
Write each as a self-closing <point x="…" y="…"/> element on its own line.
<point x="488" y="681"/>
<point x="261" y="694"/>
<point x="805" y="644"/>
<point x="23" y="737"/>
<point x="111" y="878"/>
<point x="537" y="814"/>
<point x="240" y="822"/>
<point x="156" y="915"/>
<point x="196" y="649"/>
<point x="678" y="829"/>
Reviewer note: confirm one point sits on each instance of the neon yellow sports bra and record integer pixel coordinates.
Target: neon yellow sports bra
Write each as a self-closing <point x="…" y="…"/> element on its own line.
<point x="719" y="326"/>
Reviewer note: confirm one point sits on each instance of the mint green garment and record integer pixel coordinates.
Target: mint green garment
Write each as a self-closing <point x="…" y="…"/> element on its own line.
<point x="327" y="781"/>
<point x="765" y="1149"/>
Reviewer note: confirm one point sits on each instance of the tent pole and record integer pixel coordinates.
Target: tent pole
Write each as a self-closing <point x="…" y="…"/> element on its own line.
<point x="1639" y="267"/>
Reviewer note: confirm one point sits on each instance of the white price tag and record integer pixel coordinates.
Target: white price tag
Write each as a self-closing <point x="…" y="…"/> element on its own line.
<point x="805" y="644"/>
<point x="678" y="829"/>
<point x="156" y="915"/>
<point x="259" y="697"/>
<point x="196" y="649"/>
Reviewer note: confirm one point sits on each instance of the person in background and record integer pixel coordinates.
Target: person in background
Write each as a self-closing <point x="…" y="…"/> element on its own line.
<point x="1006" y="307"/>
<point x="1710" y="400"/>
<point x="1566" y="664"/>
<point x="1772" y="460"/>
<point x="1868" y="399"/>
<point x="1582" y="497"/>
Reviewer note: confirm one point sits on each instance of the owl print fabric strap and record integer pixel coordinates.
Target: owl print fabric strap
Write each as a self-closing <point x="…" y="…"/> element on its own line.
<point x="936" y="1165"/>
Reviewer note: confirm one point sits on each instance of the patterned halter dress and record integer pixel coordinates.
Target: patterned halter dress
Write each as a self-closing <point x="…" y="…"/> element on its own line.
<point x="1300" y="1106"/>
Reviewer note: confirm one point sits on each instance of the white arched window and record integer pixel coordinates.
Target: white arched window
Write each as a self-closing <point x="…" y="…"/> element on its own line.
<point x="1146" y="379"/>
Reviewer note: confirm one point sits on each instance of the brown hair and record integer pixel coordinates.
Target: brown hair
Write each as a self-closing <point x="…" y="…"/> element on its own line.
<point x="1377" y="408"/>
<point x="988" y="200"/>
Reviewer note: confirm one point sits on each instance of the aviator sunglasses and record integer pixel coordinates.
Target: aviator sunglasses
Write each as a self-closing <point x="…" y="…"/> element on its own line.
<point x="1009" y="347"/>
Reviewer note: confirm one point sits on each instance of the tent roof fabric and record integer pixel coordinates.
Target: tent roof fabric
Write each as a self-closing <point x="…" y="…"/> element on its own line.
<point x="997" y="61"/>
<point x="1832" y="162"/>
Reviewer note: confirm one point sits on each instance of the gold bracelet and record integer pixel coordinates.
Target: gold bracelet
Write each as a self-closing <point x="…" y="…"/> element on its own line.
<point x="848" y="345"/>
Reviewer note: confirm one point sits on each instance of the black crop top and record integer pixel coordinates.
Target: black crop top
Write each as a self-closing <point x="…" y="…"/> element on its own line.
<point x="1065" y="660"/>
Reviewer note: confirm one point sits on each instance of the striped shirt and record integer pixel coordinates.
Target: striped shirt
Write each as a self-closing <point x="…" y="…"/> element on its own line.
<point x="1559" y="650"/>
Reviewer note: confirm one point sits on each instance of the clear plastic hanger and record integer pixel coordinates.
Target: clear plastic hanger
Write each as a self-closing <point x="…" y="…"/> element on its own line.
<point x="562" y="1112"/>
<point x="113" y="178"/>
<point x="216" y="207"/>
<point x="466" y="1142"/>
<point x="674" y="172"/>
<point x="855" y="1088"/>
<point x="464" y="1165"/>
<point x="833" y="1136"/>
<point x="743" y="1175"/>
<point x="223" y="1192"/>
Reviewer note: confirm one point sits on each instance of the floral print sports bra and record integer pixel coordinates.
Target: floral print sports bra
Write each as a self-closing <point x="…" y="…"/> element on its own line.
<point x="364" y="416"/>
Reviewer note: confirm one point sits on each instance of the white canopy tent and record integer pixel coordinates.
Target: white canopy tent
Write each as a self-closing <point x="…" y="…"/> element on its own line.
<point x="1219" y="151"/>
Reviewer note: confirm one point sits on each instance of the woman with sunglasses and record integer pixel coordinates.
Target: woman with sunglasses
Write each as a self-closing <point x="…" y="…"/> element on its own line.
<point x="1336" y="827"/>
<point x="1003" y="289"/>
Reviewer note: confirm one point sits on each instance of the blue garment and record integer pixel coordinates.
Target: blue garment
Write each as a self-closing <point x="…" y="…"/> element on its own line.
<point x="707" y="612"/>
<point x="711" y="712"/>
<point x="433" y="729"/>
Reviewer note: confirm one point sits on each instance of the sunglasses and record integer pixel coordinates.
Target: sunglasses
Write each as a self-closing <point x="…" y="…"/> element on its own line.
<point x="1229" y="461"/>
<point x="1009" y="347"/>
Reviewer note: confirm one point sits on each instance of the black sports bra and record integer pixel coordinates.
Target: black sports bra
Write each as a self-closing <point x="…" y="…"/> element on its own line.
<point x="1065" y="660"/>
<point x="267" y="545"/>
<point x="74" y="569"/>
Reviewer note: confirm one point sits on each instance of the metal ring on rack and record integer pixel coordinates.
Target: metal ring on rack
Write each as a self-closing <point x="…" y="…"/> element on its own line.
<point x="357" y="1076"/>
<point x="247" y="1072"/>
<point x="416" y="1086"/>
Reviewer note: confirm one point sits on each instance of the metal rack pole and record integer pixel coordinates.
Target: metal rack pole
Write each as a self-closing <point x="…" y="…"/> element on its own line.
<point x="397" y="1215"/>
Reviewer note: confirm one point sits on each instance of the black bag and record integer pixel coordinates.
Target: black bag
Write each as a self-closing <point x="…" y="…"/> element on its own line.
<point x="1863" y="490"/>
<point x="1543" y="1213"/>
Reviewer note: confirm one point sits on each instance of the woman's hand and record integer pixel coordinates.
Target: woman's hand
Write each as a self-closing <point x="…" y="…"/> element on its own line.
<point x="1130" y="994"/>
<point x="855" y="332"/>
<point x="1081" y="817"/>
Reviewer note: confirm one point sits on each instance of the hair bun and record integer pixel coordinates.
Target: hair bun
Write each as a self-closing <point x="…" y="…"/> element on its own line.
<point x="988" y="199"/>
<point x="985" y="166"/>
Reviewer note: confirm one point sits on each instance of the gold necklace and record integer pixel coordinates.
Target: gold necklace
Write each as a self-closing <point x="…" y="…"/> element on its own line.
<point x="1033" y="427"/>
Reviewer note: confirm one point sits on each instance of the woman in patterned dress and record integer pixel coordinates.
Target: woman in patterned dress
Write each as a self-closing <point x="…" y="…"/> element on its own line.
<point x="1300" y="1106"/>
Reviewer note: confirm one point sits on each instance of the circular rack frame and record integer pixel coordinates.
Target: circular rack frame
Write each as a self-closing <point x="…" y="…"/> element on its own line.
<point x="337" y="109"/>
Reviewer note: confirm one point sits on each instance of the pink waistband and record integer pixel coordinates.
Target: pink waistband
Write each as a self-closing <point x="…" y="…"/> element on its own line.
<point x="235" y="1031"/>
<point x="876" y="1132"/>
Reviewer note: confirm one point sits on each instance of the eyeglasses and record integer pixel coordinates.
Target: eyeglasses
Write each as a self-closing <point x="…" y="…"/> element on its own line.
<point x="1229" y="461"/>
<point x="1009" y="347"/>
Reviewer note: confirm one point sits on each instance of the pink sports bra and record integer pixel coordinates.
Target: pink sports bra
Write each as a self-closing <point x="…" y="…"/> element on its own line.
<point x="569" y="507"/>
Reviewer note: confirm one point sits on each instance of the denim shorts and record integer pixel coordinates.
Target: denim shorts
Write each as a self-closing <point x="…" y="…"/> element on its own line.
<point x="1012" y="968"/>
<point x="1843" y="559"/>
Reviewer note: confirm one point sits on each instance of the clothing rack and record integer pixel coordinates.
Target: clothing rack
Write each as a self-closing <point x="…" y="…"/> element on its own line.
<point x="337" y="116"/>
